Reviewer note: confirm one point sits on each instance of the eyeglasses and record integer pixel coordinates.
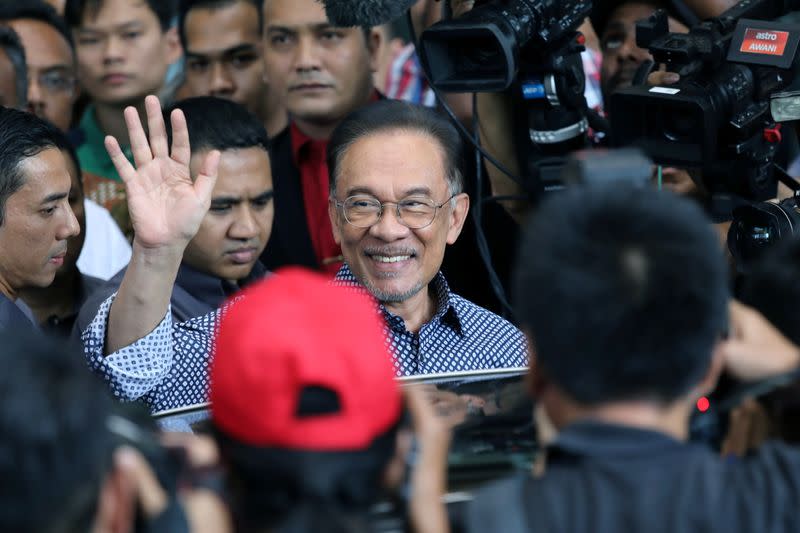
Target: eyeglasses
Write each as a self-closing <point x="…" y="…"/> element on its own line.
<point x="364" y="211"/>
<point x="56" y="81"/>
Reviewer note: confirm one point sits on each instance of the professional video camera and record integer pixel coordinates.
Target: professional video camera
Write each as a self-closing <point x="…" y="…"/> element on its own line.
<point x="721" y="117"/>
<point x="533" y="48"/>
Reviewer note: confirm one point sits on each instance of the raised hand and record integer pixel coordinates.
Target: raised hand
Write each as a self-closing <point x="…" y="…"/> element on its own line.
<point x="166" y="206"/>
<point x="755" y="349"/>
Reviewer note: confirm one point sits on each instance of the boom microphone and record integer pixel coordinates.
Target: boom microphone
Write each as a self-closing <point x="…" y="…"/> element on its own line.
<point x="348" y="13"/>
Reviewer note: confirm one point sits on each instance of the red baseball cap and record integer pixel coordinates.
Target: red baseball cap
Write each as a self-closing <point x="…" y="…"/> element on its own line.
<point x="296" y="332"/>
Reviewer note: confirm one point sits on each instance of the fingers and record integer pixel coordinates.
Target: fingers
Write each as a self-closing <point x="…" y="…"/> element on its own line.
<point x="755" y="349"/>
<point x="155" y="125"/>
<point x="151" y="495"/>
<point x="139" y="145"/>
<point x="662" y="77"/>
<point x="181" y="151"/>
<point x="204" y="184"/>
<point x="121" y="163"/>
<point x="201" y="451"/>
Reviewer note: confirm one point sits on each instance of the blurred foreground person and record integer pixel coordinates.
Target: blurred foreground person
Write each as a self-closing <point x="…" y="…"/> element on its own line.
<point x="307" y="413"/>
<point x="624" y="295"/>
<point x="63" y="461"/>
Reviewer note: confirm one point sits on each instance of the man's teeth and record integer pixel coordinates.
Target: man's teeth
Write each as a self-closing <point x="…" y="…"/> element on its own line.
<point x="392" y="259"/>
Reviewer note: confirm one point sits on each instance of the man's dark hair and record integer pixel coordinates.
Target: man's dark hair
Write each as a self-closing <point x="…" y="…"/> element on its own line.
<point x="294" y="491"/>
<point x="623" y="292"/>
<point x="772" y="287"/>
<point x="218" y="124"/>
<point x="185" y="6"/>
<point x="22" y="135"/>
<point x="603" y="9"/>
<point x="56" y="450"/>
<point x="12" y="46"/>
<point x="35" y="10"/>
<point x="76" y="10"/>
<point x="394" y="115"/>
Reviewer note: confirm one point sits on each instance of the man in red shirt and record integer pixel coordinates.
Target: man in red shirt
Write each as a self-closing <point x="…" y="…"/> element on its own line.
<point x="323" y="73"/>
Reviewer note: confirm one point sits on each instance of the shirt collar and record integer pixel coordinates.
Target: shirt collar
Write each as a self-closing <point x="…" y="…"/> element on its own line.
<point x="210" y="289"/>
<point x="94" y="144"/>
<point x="446" y="312"/>
<point x="300" y="140"/>
<point x="598" y="439"/>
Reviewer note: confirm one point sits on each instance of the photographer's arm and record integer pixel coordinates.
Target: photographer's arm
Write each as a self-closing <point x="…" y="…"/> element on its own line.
<point x="166" y="209"/>
<point x="495" y="124"/>
<point x="755" y="349"/>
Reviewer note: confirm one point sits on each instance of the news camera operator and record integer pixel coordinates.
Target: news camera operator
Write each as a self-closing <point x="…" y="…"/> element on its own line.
<point x="72" y="461"/>
<point x="496" y="111"/>
<point x="624" y="297"/>
<point x="614" y="22"/>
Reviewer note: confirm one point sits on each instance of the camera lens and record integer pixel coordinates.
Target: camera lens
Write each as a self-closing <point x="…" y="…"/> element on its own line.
<point x="679" y="124"/>
<point x="758" y="226"/>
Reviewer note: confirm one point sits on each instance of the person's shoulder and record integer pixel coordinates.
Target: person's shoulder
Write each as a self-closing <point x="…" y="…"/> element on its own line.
<point x="98" y="292"/>
<point x="499" y="506"/>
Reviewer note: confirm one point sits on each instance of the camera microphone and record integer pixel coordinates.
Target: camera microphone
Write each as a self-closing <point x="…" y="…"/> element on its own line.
<point x="348" y="13"/>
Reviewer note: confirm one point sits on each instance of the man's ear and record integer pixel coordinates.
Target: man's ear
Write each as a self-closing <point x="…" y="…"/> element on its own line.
<point x="374" y="40"/>
<point x="710" y="380"/>
<point x="457" y="218"/>
<point x="333" y="214"/>
<point x="174" y="50"/>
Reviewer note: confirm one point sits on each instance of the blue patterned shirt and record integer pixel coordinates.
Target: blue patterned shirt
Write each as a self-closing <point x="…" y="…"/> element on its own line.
<point x="461" y="336"/>
<point x="168" y="368"/>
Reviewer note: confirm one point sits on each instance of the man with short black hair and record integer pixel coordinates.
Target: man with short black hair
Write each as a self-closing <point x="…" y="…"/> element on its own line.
<point x="222" y="44"/>
<point x="50" y="55"/>
<point x="322" y="73"/>
<point x="55" y="307"/>
<point x="53" y="89"/>
<point x="624" y="294"/>
<point x="36" y="220"/>
<point x="13" y="70"/>
<point x="123" y="48"/>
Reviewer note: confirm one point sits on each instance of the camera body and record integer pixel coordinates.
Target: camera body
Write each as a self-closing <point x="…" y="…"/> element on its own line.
<point x="482" y="51"/>
<point x="718" y="117"/>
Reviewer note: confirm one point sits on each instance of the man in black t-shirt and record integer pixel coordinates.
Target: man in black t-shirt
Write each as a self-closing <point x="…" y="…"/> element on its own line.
<point x="624" y="295"/>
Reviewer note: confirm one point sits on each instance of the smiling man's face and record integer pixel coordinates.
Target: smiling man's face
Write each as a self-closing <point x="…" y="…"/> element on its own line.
<point x="392" y="261"/>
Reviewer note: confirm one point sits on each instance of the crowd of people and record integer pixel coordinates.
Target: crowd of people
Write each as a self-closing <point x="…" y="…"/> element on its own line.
<point x="238" y="202"/>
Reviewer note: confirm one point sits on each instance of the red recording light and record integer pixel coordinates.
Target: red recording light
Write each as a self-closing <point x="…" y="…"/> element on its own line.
<point x="581" y="39"/>
<point x="703" y="404"/>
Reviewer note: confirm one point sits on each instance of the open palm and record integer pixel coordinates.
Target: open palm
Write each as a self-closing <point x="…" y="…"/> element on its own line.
<point x="166" y="206"/>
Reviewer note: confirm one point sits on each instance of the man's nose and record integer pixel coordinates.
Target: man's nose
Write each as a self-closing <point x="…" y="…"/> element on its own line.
<point x="389" y="228"/>
<point x="630" y="51"/>
<point x="71" y="227"/>
<point x="307" y="57"/>
<point x="245" y="226"/>
<point x="221" y="81"/>
<point x="113" y="50"/>
<point x="35" y="94"/>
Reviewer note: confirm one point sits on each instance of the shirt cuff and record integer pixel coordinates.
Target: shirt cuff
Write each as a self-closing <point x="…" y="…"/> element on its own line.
<point x="136" y="369"/>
